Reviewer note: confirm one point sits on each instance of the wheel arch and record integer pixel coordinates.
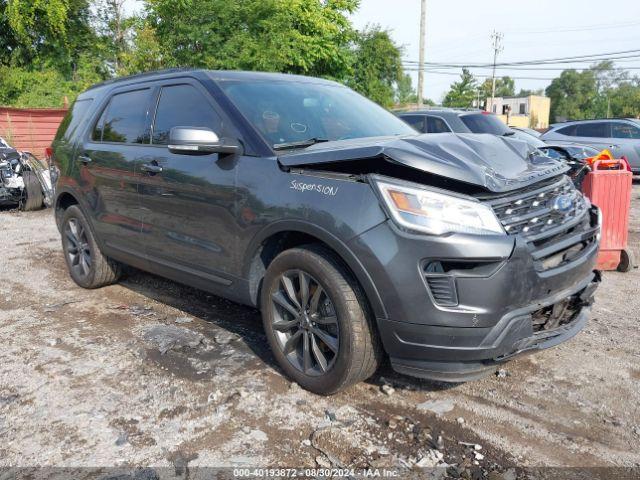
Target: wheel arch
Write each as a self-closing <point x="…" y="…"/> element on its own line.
<point x="286" y="234"/>
<point x="63" y="200"/>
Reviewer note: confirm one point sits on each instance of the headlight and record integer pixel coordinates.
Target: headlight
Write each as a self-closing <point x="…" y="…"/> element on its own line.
<point x="417" y="208"/>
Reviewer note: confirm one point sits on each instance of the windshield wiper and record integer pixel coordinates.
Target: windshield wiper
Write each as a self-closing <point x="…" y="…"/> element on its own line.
<point x="299" y="144"/>
<point x="508" y="134"/>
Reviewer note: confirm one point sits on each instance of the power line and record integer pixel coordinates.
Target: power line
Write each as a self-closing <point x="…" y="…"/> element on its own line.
<point x="534" y="68"/>
<point x="456" y="74"/>
<point x="586" y="28"/>
<point x="558" y="60"/>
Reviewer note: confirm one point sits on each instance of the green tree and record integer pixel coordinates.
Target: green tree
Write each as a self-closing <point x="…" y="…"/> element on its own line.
<point x="625" y="99"/>
<point x="145" y="53"/>
<point x="115" y="32"/>
<point x="40" y="34"/>
<point x="573" y="95"/>
<point x="463" y="93"/>
<point x="377" y="68"/>
<point x="295" y="36"/>
<point x="405" y="93"/>
<point x="505" y="87"/>
<point x="527" y="92"/>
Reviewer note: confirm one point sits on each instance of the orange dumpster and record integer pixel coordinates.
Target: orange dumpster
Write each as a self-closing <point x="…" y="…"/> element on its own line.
<point x="608" y="186"/>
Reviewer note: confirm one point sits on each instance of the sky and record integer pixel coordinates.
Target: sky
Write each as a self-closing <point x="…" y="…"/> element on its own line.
<point x="458" y="31"/>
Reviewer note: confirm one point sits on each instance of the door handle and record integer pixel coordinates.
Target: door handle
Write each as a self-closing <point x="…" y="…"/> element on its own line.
<point x="84" y="159"/>
<point x="151" y="168"/>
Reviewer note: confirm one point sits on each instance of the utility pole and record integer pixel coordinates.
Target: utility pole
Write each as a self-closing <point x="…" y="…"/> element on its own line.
<point x="423" y="17"/>
<point x="496" y="42"/>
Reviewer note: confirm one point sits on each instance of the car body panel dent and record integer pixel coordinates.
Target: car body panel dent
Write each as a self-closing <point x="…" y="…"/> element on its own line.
<point x="495" y="163"/>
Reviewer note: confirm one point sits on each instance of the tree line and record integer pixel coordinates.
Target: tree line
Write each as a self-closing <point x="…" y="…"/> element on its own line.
<point x="600" y="91"/>
<point x="54" y="49"/>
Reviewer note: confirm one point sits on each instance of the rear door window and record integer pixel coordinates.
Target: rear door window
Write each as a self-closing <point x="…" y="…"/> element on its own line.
<point x="437" y="125"/>
<point x="124" y="119"/>
<point x="594" y="130"/>
<point x="416" y="121"/>
<point x="183" y="106"/>
<point x="624" y="130"/>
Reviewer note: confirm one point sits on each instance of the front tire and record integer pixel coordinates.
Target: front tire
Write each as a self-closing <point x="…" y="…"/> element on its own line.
<point x="317" y="321"/>
<point x="88" y="267"/>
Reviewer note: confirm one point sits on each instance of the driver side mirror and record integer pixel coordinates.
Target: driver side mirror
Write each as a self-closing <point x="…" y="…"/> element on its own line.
<point x="194" y="140"/>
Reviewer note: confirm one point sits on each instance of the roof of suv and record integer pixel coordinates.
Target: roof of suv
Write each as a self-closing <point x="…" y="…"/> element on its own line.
<point x="213" y="74"/>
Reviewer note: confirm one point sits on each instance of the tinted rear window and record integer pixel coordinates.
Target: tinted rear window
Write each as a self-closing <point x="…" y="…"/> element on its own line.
<point x="597" y="130"/>
<point x="183" y="106"/>
<point x="124" y="119"/>
<point x="483" y="123"/>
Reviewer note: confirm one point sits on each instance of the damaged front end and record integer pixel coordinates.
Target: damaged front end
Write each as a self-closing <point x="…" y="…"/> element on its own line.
<point x="488" y="250"/>
<point x="24" y="181"/>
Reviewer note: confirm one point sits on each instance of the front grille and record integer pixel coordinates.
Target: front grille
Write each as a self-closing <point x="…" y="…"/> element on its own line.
<point x="538" y="212"/>
<point x="552" y="217"/>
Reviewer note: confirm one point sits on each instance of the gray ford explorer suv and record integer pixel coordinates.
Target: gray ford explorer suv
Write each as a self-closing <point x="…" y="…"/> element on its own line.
<point x="358" y="238"/>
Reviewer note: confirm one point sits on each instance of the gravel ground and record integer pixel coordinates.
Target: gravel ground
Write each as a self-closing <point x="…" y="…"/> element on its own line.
<point x="83" y="383"/>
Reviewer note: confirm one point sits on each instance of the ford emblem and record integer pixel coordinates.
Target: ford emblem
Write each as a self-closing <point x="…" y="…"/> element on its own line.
<point x="563" y="203"/>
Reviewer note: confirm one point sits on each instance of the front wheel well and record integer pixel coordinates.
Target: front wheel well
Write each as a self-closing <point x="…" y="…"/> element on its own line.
<point x="64" y="201"/>
<point x="277" y="243"/>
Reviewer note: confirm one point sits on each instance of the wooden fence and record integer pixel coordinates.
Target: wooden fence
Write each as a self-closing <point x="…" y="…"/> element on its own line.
<point x="31" y="129"/>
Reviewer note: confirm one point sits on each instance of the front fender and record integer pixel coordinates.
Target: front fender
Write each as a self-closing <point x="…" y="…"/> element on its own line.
<point x="337" y="245"/>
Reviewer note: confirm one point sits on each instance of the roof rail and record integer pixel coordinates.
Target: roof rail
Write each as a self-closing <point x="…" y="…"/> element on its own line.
<point x="143" y="75"/>
<point x="593" y="119"/>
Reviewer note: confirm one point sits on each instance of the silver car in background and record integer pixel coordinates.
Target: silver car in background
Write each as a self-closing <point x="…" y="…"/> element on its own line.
<point x="620" y="136"/>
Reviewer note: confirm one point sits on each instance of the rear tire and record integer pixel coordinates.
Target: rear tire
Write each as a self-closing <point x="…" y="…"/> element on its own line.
<point x="337" y="344"/>
<point x="34" y="198"/>
<point x="88" y="267"/>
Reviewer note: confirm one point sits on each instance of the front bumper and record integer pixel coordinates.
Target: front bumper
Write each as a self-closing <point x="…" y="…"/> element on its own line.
<point x="507" y="339"/>
<point x="502" y="284"/>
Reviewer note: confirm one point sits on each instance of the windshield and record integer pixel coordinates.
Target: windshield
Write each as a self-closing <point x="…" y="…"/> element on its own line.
<point x="485" y="123"/>
<point x="285" y="112"/>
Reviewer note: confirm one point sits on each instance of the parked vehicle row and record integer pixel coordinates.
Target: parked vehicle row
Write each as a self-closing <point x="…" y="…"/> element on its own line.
<point x="620" y="136"/>
<point x="356" y="236"/>
<point x="556" y="143"/>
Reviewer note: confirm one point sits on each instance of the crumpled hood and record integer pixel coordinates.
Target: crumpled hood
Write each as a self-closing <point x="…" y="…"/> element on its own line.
<point x="498" y="164"/>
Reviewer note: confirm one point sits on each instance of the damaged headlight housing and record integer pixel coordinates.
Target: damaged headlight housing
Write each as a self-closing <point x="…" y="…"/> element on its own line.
<point x="415" y="207"/>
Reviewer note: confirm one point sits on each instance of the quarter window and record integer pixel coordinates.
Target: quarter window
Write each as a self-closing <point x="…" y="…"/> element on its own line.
<point x="569" y="131"/>
<point x="624" y="130"/>
<point x="73" y="119"/>
<point x="182" y="106"/>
